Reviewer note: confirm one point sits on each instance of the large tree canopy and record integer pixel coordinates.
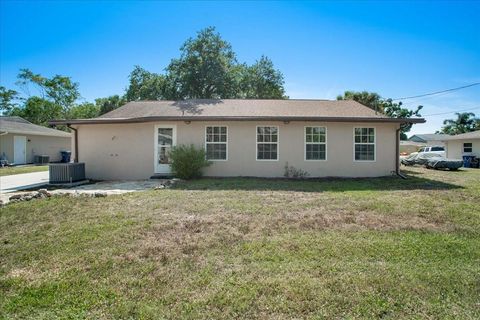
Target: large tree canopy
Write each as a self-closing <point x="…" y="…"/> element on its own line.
<point x="59" y="90"/>
<point x="465" y="122"/>
<point x="108" y="104"/>
<point x="386" y="106"/>
<point x="262" y="81"/>
<point x="44" y="99"/>
<point x="208" y="69"/>
<point x="370" y="99"/>
<point x="146" y="85"/>
<point x="7" y="99"/>
<point x="38" y="110"/>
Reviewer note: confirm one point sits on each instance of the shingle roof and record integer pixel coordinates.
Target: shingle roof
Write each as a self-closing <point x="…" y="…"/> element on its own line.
<point x="431" y="136"/>
<point x="465" y="136"/>
<point x="241" y="109"/>
<point x="21" y="126"/>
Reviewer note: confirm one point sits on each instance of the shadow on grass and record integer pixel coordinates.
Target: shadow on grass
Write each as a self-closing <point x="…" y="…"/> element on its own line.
<point x="413" y="182"/>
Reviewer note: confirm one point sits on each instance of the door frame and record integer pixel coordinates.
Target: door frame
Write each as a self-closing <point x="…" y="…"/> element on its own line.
<point x="155" y="141"/>
<point x="24" y="149"/>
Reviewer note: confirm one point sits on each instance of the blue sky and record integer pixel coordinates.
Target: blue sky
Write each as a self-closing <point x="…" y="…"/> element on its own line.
<point x="323" y="48"/>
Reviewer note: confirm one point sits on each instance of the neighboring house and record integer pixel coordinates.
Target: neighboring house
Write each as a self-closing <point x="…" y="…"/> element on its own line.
<point x="241" y="138"/>
<point x="465" y="144"/>
<point x="21" y="140"/>
<point x="430" y="139"/>
<point x="407" y="147"/>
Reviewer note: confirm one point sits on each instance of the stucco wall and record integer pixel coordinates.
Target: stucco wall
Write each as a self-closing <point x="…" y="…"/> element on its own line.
<point x="455" y="148"/>
<point x="36" y="145"/>
<point x="126" y="151"/>
<point x="6" y="146"/>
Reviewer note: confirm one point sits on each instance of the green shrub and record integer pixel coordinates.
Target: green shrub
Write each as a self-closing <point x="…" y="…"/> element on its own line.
<point x="188" y="161"/>
<point x="292" y="172"/>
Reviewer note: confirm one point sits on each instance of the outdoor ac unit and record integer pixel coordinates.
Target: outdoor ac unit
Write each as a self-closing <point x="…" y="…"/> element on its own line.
<point x="41" y="159"/>
<point x="66" y="172"/>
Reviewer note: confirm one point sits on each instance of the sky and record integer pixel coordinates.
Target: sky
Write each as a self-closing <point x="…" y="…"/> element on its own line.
<point x="394" y="48"/>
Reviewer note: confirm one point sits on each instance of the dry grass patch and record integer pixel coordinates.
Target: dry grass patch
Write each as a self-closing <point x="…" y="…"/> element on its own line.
<point x="249" y="248"/>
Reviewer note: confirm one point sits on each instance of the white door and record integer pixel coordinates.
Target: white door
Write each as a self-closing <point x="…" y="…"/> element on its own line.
<point x="165" y="139"/>
<point x="19" y="149"/>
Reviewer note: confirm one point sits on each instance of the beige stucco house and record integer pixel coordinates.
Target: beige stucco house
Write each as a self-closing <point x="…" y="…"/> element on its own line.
<point x="241" y="138"/>
<point x="463" y="144"/>
<point x="21" y="141"/>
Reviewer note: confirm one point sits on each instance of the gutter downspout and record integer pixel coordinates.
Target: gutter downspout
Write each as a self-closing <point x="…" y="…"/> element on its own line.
<point x="397" y="154"/>
<point x="75" y="159"/>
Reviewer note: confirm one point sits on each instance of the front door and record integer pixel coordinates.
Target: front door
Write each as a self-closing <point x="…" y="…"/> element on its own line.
<point x="19" y="149"/>
<point x="165" y="139"/>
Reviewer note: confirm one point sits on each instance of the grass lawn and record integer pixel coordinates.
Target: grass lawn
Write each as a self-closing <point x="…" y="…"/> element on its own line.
<point x="6" y="171"/>
<point x="250" y="248"/>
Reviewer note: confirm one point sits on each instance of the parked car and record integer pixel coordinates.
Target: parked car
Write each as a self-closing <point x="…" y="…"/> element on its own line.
<point x="433" y="149"/>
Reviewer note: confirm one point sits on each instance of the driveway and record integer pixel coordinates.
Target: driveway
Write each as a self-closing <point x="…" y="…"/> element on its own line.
<point x="23" y="181"/>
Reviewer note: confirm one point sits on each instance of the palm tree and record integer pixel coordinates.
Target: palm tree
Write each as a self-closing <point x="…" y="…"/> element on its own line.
<point x="465" y="122"/>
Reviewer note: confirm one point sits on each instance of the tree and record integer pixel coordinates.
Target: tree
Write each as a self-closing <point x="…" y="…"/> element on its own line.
<point x="38" y="110"/>
<point x="386" y="106"/>
<point x="109" y="103"/>
<point x="7" y="99"/>
<point x="85" y="110"/>
<point x="59" y="90"/>
<point x="369" y="99"/>
<point x="43" y="98"/>
<point x="263" y="81"/>
<point x="146" y="85"/>
<point x="395" y="110"/>
<point x="465" y="122"/>
<point x="206" y="68"/>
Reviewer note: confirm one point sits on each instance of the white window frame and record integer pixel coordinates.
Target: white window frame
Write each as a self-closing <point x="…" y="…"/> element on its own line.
<point x="277" y="143"/>
<point x="471" y="147"/>
<point x="305" y="143"/>
<point x="226" y="143"/>
<point x="374" y="143"/>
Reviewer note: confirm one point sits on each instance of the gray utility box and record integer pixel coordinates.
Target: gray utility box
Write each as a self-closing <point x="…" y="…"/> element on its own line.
<point x="66" y="172"/>
<point x="41" y="159"/>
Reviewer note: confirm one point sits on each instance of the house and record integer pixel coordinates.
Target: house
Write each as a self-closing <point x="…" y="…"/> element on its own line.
<point x="408" y="147"/>
<point x="465" y="144"/>
<point x="429" y="139"/>
<point x="21" y="141"/>
<point x="241" y="138"/>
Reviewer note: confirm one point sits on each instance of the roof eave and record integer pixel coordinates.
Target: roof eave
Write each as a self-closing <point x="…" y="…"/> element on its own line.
<point x="233" y="118"/>
<point x="44" y="134"/>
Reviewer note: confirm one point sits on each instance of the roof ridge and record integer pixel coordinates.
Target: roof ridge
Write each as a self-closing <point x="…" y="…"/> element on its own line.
<point x="242" y="99"/>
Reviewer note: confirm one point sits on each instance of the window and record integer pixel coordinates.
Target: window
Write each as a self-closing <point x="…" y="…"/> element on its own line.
<point x="467" y="147"/>
<point x="216" y="143"/>
<point x="267" y="143"/>
<point x="364" y="144"/>
<point x="438" y="149"/>
<point x="315" y="143"/>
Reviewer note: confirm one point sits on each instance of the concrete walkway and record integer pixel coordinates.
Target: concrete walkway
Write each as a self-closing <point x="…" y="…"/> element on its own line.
<point x="23" y="181"/>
